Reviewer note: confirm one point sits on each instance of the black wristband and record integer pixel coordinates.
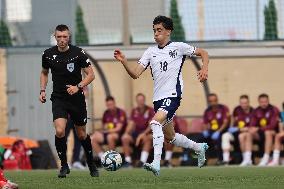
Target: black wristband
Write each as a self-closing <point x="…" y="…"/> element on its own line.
<point x="41" y="91"/>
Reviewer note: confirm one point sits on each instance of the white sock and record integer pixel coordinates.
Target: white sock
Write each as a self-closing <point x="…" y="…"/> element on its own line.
<point x="247" y="156"/>
<point x="128" y="159"/>
<point x="276" y="155"/>
<point x="158" y="139"/>
<point x="100" y="154"/>
<point x="168" y="155"/>
<point x="144" y="156"/>
<point x="244" y="156"/>
<point x="183" y="141"/>
<point x="226" y="156"/>
<point x="265" y="157"/>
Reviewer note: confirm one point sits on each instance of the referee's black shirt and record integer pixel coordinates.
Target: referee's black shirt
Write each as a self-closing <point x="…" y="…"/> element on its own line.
<point x="65" y="67"/>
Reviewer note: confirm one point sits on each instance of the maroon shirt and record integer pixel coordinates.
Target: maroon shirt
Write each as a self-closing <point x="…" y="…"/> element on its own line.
<point x="241" y="118"/>
<point x="142" y="119"/>
<point x="266" y="119"/>
<point x="112" y="118"/>
<point x="216" y="118"/>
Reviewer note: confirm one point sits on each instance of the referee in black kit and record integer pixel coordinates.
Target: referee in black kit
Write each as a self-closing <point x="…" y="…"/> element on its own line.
<point x="66" y="62"/>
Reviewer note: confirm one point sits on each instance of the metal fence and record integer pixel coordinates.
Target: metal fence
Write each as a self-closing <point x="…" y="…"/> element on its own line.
<point x="31" y="22"/>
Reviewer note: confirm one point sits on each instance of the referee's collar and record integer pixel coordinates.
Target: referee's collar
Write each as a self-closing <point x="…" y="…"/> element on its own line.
<point x="165" y="45"/>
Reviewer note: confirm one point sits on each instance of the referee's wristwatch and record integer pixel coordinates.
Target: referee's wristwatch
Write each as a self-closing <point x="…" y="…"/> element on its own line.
<point x="80" y="87"/>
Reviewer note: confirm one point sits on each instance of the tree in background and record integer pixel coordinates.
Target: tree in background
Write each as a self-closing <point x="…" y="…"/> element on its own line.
<point x="178" y="33"/>
<point x="5" y="38"/>
<point x="270" y="21"/>
<point x="81" y="34"/>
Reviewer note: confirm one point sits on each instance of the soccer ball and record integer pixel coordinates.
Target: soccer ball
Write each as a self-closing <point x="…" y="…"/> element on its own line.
<point x="111" y="160"/>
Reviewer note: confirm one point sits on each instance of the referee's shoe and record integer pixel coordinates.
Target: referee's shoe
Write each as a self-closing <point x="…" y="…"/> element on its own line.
<point x="63" y="171"/>
<point x="93" y="169"/>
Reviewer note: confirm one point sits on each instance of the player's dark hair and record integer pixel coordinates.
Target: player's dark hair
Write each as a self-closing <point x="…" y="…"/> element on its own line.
<point x="212" y="94"/>
<point x="244" y="97"/>
<point x="263" y="95"/>
<point x="62" y="27"/>
<point x="283" y="105"/>
<point x="109" y="98"/>
<point x="140" y="94"/>
<point x="165" y="21"/>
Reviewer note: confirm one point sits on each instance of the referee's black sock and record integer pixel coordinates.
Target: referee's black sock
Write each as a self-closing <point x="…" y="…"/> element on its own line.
<point x="87" y="145"/>
<point x="61" y="148"/>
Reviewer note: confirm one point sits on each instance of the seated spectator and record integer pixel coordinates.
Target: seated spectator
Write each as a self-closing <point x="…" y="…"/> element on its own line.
<point x="169" y="147"/>
<point x="278" y="140"/>
<point x="263" y="126"/>
<point x="237" y="132"/>
<point x="6" y="184"/>
<point x="114" y="122"/>
<point x="138" y="131"/>
<point x="216" y="119"/>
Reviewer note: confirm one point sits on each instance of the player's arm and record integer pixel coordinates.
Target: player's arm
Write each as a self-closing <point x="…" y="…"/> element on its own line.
<point x="133" y="70"/>
<point x="43" y="84"/>
<point x="224" y="125"/>
<point x="89" y="77"/>
<point x="117" y="128"/>
<point x="130" y="127"/>
<point x="203" y="73"/>
<point x="273" y="123"/>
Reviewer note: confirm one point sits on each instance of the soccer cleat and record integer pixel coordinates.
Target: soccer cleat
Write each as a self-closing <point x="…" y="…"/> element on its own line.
<point x="94" y="172"/>
<point x="63" y="171"/>
<point x="154" y="167"/>
<point x="273" y="163"/>
<point x="78" y="165"/>
<point x="8" y="185"/>
<point x="201" y="154"/>
<point x="140" y="164"/>
<point x="167" y="164"/>
<point x="263" y="162"/>
<point x="246" y="163"/>
<point x="127" y="165"/>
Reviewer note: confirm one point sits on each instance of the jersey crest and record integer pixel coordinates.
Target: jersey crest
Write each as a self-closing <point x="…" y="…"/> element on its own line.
<point x="173" y="53"/>
<point x="70" y="67"/>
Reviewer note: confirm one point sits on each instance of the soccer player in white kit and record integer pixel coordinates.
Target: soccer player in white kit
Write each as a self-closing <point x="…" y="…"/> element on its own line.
<point x="165" y="61"/>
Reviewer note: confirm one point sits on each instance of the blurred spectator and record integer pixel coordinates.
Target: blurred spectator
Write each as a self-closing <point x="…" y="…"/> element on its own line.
<point x="278" y="140"/>
<point x="138" y="131"/>
<point x="18" y="157"/>
<point x="263" y="126"/>
<point x="6" y="184"/>
<point x="76" y="163"/>
<point x="114" y="123"/>
<point x="240" y="121"/>
<point x="216" y="119"/>
<point x="169" y="147"/>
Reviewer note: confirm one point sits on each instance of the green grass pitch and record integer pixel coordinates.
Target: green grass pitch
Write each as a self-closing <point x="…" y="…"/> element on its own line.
<point x="170" y="178"/>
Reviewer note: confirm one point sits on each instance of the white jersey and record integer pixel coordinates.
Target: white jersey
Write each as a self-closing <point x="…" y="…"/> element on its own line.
<point x="165" y="64"/>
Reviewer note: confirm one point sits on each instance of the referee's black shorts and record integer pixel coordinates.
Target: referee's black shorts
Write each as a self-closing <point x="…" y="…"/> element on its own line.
<point x="72" y="105"/>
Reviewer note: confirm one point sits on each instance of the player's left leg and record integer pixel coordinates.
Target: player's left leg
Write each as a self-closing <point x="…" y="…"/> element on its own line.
<point x="227" y="138"/>
<point x="182" y="141"/>
<point x="168" y="154"/>
<point x="277" y="148"/>
<point x="126" y="141"/>
<point x="87" y="146"/>
<point x="268" y="143"/>
<point x="112" y="139"/>
<point x="147" y="146"/>
<point x="158" y="141"/>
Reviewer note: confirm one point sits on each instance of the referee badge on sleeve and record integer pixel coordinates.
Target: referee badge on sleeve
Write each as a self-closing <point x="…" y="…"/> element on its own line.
<point x="70" y="67"/>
